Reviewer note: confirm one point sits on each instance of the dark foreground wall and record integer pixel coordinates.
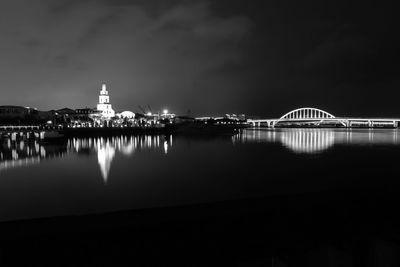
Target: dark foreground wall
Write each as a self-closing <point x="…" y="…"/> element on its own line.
<point x="326" y="229"/>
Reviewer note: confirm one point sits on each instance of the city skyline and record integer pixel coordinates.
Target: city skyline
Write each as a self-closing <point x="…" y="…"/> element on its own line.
<point x="209" y="57"/>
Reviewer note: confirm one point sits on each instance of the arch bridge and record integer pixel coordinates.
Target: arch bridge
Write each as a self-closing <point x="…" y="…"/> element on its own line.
<point x="314" y="117"/>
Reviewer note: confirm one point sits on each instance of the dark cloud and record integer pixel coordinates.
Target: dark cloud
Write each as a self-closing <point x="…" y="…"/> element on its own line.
<point x="263" y="57"/>
<point x="65" y="53"/>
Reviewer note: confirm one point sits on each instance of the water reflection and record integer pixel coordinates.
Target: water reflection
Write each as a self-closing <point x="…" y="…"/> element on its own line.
<point x="106" y="148"/>
<point x="22" y="153"/>
<point x="318" y="140"/>
<point x="105" y="155"/>
<point x="16" y="154"/>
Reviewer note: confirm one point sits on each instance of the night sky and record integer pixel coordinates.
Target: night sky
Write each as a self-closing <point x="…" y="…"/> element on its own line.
<point x="210" y="57"/>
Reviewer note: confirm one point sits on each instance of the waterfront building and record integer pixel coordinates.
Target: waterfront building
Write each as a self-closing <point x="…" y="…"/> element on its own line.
<point x="183" y="119"/>
<point x="85" y="111"/>
<point x="126" y="115"/>
<point x="85" y="116"/>
<point x="23" y="115"/>
<point x="125" y="118"/>
<point x="240" y="117"/>
<point x="167" y="115"/>
<point x="104" y="106"/>
<point x="66" y="111"/>
<point x="15" y="112"/>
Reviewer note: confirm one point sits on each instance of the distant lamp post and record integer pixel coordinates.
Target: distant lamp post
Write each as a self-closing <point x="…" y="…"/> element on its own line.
<point x="165" y="111"/>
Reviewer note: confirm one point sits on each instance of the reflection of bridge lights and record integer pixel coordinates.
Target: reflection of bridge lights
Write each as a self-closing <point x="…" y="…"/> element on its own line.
<point x="303" y="140"/>
<point x="297" y="140"/>
<point x="307" y="141"/>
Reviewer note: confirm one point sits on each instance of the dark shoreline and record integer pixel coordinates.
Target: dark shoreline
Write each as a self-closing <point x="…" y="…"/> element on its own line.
<point x="89" y="132"/>
<point x="287" y="229"/>
<point x="184" y="129"/>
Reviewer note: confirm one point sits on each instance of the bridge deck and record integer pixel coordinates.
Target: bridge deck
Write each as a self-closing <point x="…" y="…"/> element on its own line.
<point x="326" y="119"/>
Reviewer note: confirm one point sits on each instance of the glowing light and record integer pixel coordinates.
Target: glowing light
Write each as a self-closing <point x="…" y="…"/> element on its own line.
<point x="149" y="114"/>
<point x="165" y="111"/>
<point x="165" y="147"/>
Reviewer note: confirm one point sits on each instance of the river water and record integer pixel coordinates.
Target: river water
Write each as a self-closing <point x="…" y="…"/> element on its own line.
<point x="96" y="175"/>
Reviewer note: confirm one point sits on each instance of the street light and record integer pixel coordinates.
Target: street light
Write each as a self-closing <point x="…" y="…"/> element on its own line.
<point x="165" y="111"/>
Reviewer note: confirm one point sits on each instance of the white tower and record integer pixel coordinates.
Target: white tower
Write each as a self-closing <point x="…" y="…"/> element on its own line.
<point x="104" y="105"/>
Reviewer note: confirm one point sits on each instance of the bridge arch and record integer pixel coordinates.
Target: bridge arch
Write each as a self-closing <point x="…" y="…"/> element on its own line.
<point x="304" y="114"/>
<point x="307" y="113"/>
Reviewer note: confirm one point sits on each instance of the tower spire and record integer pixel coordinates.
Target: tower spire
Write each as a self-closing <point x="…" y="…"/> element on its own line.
<point x="104" y="105"/>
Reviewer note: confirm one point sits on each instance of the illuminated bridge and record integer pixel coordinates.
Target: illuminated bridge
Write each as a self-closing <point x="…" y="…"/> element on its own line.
<point x="313" y="117"/>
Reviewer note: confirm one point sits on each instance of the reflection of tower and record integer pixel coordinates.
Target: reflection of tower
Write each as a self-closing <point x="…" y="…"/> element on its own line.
<point x="105" y="155"/>
<point x="106" y="148"/>
<point x="104" y="105"/>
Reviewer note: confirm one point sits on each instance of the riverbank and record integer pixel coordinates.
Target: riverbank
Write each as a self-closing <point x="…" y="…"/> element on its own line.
<point x="109" y="131"/>
<point x="181" y="129"/>
<point x="58" y="134"/>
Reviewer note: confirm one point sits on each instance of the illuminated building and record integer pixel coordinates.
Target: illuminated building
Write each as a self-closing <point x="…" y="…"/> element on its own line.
<point x="14" y="112"/>
<point x="126" y="114"/>
<point x="104" y="105"/>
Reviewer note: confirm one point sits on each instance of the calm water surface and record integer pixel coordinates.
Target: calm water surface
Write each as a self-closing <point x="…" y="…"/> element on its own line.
<point x="91" y="175"/>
